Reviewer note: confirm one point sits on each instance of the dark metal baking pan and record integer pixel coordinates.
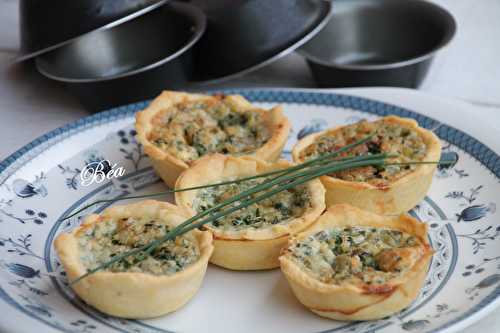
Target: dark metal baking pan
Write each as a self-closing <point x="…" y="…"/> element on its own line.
<point x="130" y="62"/>
<point x="46" y="25"/>
<point x="378" y="43"/>
<point x="244" y="35"/>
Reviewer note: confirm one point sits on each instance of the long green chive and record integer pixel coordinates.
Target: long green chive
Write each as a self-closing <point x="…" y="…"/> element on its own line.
<point x="267" y="185"/>
<point x="319" y="159"/>
<point x="303" y="178"/>
<point x="293" y="180"/>
<point x="286" y="179"/>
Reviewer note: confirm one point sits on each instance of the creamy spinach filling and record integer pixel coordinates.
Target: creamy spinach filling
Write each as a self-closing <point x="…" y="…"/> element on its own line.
<point x="355" y="254"/>
<point x="190" y="130"/>
<point x="389" y="138"/>
<point x="280" y="208"/>
<point x="102" y="241"/>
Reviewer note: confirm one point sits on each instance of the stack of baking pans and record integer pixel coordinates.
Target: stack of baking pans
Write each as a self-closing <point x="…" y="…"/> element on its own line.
<point x="113" y="52"/>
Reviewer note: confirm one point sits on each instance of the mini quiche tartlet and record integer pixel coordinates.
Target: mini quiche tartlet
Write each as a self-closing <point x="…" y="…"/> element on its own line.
<point x="135" y="288"/>
<point x="393" y="189"/>
<point x="250" y="238"/>
<point x="178" y="128"/>
<point x="356" y="265"/>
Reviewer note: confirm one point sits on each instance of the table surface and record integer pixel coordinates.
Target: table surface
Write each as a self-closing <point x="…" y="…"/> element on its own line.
<point x="467" y="69"/>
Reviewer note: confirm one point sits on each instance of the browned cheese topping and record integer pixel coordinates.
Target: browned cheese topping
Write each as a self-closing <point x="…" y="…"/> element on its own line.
<point x="356" y="255"/>
<point x="190" y="130"/>
<point x="100" y="242"/>
<point x="389" y="138"/>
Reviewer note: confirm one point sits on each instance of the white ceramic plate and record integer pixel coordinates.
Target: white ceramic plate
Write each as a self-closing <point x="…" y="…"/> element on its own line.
<point x="40" y="183"/>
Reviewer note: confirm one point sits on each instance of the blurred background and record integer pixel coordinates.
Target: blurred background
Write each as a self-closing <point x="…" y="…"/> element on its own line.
<point x="466" y="69"/>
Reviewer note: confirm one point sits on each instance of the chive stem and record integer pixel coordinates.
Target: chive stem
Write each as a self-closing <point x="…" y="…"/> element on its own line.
<point x="189" y="225"/>
<point x="284" y="179"/>
<point x="319" y="159"/>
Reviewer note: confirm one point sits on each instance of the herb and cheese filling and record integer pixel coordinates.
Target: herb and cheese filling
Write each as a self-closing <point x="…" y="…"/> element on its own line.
<point x="109" y="237"/>
<point x="389" y="137"/>
<point x="280" y="208"/>
<point x="356" y="255"/>
<point x="190" y="130"/>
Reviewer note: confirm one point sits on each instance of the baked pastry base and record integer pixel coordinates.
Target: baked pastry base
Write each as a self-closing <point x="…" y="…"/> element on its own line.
<point x="131" y="294"/>
<point x="398" y="196"/>
<point x="247" y="249"/>
<point x="169" y="167"/>
<point x="352" y="302"/>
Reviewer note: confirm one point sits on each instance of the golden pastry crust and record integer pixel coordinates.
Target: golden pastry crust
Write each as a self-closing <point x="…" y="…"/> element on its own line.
<point x="396" y="197"/>
<point x="359" y="302"/>
<point x="169" y="166"/>
<point x="247" y="249"/>
<point x="135" y="294"/>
